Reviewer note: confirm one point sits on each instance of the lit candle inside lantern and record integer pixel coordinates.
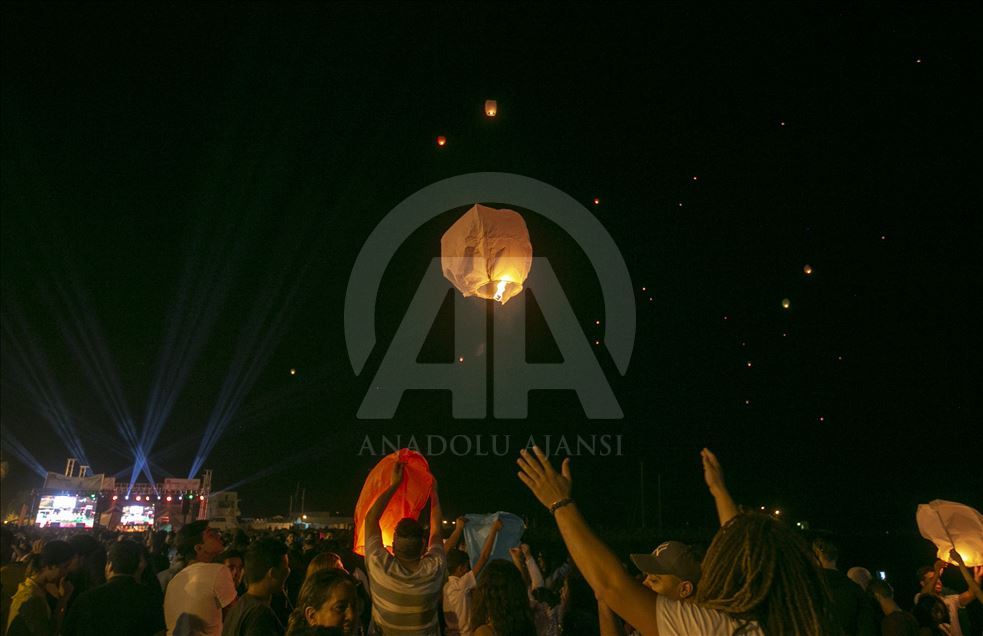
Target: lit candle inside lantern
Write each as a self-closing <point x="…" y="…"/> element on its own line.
<point x="491" y="107"/>
<point x="500" y="290"/>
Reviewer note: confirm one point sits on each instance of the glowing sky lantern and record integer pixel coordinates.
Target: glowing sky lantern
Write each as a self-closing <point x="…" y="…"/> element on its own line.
<point x="786" y="303"/>
<point x="807" y="269"/>
<point x="487" y="253"/>
<point x="491" y="107"/>
<point x="441" y="140"/>
<point x="948" y="524"/>
<point x="408" y="501"/>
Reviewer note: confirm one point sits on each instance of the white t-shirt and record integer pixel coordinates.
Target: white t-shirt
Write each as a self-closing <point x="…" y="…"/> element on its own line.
<point x="195" y="598"/>
<point x="681" y="618"/>
<point x="457" y="604"/>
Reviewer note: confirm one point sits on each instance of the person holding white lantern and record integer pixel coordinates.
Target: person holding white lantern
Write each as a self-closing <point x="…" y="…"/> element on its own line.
<point x="930" y="579"/>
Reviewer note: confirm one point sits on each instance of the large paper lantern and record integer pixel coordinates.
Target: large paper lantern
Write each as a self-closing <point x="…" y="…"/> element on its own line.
<point x="408" y="500"/>
<point x="491" y="107"/>
<point x="948" y="524"/>
<point x="487" y="253"/>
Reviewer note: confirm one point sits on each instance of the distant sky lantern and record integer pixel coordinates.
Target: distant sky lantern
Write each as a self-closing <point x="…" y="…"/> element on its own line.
<point x="441" y="140"/>
<point x="808" y="270"/>
<point x="491" y="107"/>
<point x="487" y="253"/>
<point x="786" y="303"/>
<point x="597" y="201"/>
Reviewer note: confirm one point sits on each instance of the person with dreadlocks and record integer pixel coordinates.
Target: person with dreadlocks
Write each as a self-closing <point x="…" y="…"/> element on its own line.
<point x="758" y="577"/>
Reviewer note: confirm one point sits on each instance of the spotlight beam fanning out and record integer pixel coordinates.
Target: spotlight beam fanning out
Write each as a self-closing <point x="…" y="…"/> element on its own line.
<point x="37" y="380"/>
<point x="263" y="331"/>
<point x="13" y="447"/>
<point x="296" y="459"/>
<point x="83" y="334"/>
<point x="202" y="290"/>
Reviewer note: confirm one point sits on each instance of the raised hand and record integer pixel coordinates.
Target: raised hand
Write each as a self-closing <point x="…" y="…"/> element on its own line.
<point x="460" y="521"/>
<point x="542" y="479"/>
<point x="396" y="477"/>
<point x="956" y="558"/>
<point x="712" y="472"/>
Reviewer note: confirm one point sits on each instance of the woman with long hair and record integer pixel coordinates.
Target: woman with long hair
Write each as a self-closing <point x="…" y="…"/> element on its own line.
<point x="758" y="570"/>
<point x="326" y="599"/>
<point x="501" y="603"/>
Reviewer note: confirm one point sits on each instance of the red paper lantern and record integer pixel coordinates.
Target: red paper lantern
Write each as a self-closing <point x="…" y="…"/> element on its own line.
<point x="441" y="140"/>
<point x="408" y="501"/>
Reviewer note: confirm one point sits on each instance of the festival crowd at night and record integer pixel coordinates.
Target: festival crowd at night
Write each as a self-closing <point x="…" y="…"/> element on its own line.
<point x="414" y="575"/>
<point x="535" y="320"/>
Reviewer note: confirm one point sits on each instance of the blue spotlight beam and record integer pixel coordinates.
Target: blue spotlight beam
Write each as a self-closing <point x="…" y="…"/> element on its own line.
<point x="37" y="380"/>
<point x="84" y="337"/>
<point x="201" y="292"/>
<point x="263" y="331"/>
<point x="18" y="451"/>
<point x="307" y="454"/>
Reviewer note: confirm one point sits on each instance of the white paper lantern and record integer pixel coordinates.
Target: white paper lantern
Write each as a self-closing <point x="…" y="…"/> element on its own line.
<point x="487" y="253"/>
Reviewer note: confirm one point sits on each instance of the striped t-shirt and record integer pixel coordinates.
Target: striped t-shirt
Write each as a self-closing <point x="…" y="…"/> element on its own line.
<point x="404" y="602"/>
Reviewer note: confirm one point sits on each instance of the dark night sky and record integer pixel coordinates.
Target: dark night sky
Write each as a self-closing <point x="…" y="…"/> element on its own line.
<point x="211" y="173"/>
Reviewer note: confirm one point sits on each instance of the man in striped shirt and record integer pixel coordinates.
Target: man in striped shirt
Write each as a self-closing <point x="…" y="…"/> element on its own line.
<point x="407" y="584"/>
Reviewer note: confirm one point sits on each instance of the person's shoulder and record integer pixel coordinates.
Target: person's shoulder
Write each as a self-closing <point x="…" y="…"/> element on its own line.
<point x="436" y="554"/>
<point x="686" y="617"/>
<point x="207" y="570"/>
<point x="373" y="547"/>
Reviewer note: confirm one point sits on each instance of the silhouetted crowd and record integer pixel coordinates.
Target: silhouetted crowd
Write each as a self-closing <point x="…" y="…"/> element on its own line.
<point x="757" y="576"/>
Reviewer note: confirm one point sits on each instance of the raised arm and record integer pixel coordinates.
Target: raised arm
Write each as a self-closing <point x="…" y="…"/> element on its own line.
<point x="973" y="582"/>
<point x="714" y="475"/>
<point x="486" y="550"/>
<point x="535" y="576"/>
<point x="520" y="565"/>
<point x="600" y="567"/>
<point x="609" y="624"/>
<point x="436" y="516"/>
<point x="455" y="537"/>
<point x="374" y="514"/>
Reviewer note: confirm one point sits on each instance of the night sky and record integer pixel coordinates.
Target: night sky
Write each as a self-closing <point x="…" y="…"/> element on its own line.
<point x="185" y="190"/>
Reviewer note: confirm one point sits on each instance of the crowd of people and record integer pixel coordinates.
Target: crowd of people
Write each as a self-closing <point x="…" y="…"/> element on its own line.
<point x="757" y="576"/>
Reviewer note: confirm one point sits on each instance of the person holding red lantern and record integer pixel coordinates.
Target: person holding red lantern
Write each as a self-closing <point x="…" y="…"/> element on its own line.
<point x="407" y="584"/>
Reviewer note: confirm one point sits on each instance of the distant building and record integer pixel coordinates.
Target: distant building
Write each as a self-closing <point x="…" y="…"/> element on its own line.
<point x="329" y="520"/>
<point x="223" y="510"/>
